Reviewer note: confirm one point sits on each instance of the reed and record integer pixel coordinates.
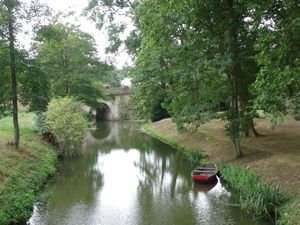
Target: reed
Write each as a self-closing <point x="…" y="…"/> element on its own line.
<point x="258" y="198"/>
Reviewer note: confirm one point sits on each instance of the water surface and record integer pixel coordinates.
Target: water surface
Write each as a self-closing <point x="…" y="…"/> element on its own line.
<point x="125" y="177"/>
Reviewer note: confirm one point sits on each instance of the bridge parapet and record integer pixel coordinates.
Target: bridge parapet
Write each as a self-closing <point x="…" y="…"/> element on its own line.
<point x="118" y="91"/>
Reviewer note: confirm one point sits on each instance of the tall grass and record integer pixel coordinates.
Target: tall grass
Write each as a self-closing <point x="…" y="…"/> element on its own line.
<point x="258" y="198"/>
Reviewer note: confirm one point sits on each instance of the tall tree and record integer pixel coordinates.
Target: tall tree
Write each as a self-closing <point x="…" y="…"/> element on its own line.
<point x="200" y="52"/>
<point x="68" y="56"/>
<point x="9" y="26"/>
<point x="5" y="94"/>
<point x="13" y="14"/>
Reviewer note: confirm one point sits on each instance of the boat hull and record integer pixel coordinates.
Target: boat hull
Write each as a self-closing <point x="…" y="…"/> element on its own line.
<point x="204" y="178"/>
<point x="205" y="173"/>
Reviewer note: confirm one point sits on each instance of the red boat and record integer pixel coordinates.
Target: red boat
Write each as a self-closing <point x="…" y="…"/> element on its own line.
<point x="205" y="173"/>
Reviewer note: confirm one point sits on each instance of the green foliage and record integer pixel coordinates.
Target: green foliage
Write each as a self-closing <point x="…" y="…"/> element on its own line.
<point x="20" y="192"/>
<point x="258" y="198"/>
<point x="34" y="87"/>
<point x="297" y="117"/>
<point x="103" y="13"/>
<point x="69" y="58"/>
<point x="24" y="172"/>
<point x="125" y="111"/>
<point x="289" y="213"/>
<point x="40" y="123"/>
<point x="5" y="91"/>
<point x="158" y="112"/>
<point x="277" y="86"/>
<point x="19" y="198"/>
<point x="66" y="123"/>
<point x="113" y="77"/>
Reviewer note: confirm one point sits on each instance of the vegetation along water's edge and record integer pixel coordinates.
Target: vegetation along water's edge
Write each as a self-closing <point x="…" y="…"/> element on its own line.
<point x="23" y="171"/>
<point x="260" y="177"/>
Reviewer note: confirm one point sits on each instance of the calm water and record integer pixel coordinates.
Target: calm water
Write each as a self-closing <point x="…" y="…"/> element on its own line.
<point x="126" y="177"/>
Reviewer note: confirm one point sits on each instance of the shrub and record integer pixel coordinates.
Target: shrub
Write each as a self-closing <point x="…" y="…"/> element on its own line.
<point x="40" y="123"/>
<point x="125" y="111"/>
<point x="66" y="123"/>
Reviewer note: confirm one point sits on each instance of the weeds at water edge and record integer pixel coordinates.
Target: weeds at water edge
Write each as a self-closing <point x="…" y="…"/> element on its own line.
<point x="258" y="198"/>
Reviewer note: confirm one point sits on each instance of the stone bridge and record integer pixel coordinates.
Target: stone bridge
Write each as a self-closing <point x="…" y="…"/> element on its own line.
<point x="109" y="108"/>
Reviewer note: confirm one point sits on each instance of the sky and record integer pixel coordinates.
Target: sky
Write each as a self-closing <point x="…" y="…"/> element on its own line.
<point x="86" y="25"/>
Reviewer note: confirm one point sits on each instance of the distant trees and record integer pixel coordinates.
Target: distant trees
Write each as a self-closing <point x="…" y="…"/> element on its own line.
<point x="68" y="57"/>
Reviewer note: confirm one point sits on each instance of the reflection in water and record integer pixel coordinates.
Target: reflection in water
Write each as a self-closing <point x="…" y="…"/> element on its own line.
<point x="204" y="187"/>
<point x="126" y="177"/>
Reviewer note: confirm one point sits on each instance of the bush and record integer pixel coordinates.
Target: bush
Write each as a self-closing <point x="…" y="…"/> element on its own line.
<point x="18" y="198"/>
<point x="66" y="123"/>
<point x="40" y="123"/>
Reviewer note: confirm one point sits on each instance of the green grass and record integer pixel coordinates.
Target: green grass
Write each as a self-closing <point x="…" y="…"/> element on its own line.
<point x="23" y="171"/>
<point x="258" y="198"/>
<point x="193" y="154"/>
<point x="289" y="213"/>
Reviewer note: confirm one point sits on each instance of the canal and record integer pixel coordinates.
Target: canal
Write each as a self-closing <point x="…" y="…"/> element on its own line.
<point x="125" y="177"/>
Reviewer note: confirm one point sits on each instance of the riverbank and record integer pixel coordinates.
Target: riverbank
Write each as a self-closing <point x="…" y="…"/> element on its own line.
<point x="274" y="157"/>
<point x="23" y="171"/>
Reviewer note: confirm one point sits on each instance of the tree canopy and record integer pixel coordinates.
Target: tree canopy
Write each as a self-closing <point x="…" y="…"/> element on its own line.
<point x="69" y="58"/>
<point x="211" y="56"/>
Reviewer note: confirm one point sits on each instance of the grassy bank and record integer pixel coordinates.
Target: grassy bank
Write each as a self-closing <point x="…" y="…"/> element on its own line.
<point x="193" y="154"/>
<point x="270" y="165"/>
<point x="22" y="171"/>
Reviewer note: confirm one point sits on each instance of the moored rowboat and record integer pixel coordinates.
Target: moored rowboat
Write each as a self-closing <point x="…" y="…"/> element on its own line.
<point x="205" y="173"/>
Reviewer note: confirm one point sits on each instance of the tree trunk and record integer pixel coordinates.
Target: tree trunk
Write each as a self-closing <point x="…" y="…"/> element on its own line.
<point x="254" y="131"/>
<point x="234" y="71"/>
<point x="16" y="137"/>
<point x="236" y="114"/>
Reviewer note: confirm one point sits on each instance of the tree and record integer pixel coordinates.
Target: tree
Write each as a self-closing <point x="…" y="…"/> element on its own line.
<point x="8" y="14"/>
<point x="202" y="53"/>
<point x="106" y="15"/>
<point x="277" y="87"/>
<point x="13" y="14"/>
<point x="68" y="56"/>
<point x="5" y="99"/>
<point x="34" y="88"/>
<point x="205" y="53"/>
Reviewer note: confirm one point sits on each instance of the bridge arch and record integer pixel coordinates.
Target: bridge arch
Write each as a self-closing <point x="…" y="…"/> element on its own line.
<point x="103" y="111"/>
<point x="109" y="110"/>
